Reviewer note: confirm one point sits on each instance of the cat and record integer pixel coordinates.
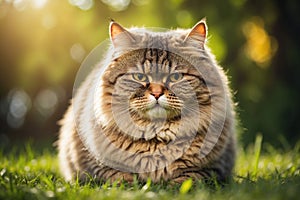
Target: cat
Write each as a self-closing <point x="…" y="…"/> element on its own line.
<point x="157" y="106"/>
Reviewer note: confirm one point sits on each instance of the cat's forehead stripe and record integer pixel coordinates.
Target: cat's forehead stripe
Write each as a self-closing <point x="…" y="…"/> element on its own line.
<point x="156" y="61"/>
<point x="161" y="61"/>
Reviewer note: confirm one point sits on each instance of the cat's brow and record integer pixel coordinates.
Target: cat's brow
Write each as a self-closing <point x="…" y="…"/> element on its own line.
<point x="140" y="68"/>
<point x="182" y="68"/>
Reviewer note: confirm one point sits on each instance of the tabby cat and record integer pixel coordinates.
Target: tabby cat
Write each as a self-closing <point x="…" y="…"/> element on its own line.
<point x="157" y="106"/>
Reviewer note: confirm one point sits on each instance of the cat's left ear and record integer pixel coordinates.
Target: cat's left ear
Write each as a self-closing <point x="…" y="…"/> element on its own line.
<point x="119" y="35"/>
<point x="198" y="33"/>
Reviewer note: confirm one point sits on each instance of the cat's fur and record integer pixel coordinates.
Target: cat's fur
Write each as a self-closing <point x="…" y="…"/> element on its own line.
<point x="113" y="130"/>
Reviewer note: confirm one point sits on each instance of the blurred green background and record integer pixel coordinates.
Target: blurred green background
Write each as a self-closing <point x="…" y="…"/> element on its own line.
<point x="43" y="42"/>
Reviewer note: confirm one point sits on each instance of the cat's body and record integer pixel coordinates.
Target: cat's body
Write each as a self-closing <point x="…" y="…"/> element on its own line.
<point x="160" y="109"/>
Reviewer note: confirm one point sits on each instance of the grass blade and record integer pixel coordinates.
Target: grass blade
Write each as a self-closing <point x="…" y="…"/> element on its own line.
<point x="257" y="150"/>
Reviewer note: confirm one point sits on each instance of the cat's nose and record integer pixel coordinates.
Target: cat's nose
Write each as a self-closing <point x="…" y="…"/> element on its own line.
<point x="156" y="90"/>
<point x="156" y="95"/>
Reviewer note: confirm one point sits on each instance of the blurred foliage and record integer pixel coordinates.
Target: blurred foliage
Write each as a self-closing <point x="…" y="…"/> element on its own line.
<point x="43" y="42"/>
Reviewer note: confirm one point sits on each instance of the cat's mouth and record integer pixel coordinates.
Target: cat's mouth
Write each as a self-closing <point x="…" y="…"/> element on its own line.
<point x="158" y="104"/>
<point x="160" y="110"/>
<point x="157" y="111"/>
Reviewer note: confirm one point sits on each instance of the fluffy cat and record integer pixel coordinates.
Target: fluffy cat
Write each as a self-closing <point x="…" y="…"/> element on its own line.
<point x="157" y="106"/>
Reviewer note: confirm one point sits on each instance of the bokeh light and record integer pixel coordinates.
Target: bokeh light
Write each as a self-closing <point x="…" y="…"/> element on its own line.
<point x="39" y="4"/>
<point x="260" y="46"/>
<point x="21" y="5"/>
<point x="184" y="19"/>
<point x="82" y="4"/>
<point x="48" y="21"/>
<point x="77" y="52"/>
<point x="46" y="102"/>
<point x="19" y="105"/>
<point x="117" y="5"/>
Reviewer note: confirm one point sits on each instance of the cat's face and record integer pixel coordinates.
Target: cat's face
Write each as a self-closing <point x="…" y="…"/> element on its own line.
<point x="157" y="84"/>
<point x="154" y="98"/>
<point x="155" y="77"/>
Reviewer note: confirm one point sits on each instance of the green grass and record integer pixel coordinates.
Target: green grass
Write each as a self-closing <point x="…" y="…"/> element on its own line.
<point x="26" y="173"/>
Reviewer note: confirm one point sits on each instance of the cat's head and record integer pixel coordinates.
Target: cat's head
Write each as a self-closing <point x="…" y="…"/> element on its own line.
<point x="158" y="77"/>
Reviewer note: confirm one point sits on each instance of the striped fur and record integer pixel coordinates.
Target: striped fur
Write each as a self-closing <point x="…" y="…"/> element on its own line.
<point x="111" y="132"/>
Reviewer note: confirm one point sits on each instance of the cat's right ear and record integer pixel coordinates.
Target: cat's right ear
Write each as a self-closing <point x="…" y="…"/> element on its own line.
<point x="119" y="35"/>
<point x="198" y="33"/>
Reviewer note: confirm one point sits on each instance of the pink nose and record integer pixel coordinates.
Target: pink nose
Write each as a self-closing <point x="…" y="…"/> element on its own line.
<point x="156" y="94"/>
<point x="156" y="90"/>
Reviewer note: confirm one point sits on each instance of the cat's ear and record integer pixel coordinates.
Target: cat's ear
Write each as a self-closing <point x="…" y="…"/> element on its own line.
<point x="198" y="33"/>
<point x="119" y="35"/>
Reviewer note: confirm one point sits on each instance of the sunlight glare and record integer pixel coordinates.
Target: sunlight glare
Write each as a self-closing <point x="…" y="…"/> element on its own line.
<point x="82" y="4"/>
<point x="39" y="4"/>
<point x="21" y="5"/>
<point x="117" y="5"/>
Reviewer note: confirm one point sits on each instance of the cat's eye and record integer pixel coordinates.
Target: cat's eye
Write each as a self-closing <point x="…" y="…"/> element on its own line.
<point x="140" y="77"/>
<point x="175" y="77"/>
